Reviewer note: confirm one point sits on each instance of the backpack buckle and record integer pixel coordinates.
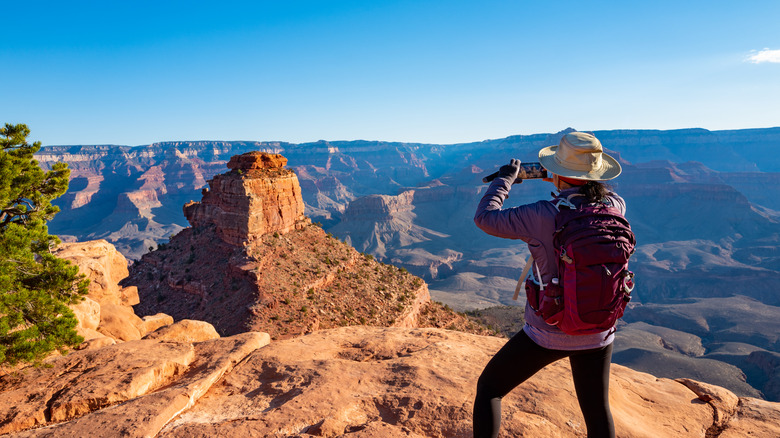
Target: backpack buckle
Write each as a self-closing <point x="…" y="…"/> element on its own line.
<point x="628" y="281"/>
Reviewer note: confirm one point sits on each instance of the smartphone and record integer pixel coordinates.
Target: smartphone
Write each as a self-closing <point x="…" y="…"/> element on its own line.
<point x="527" y="171"/>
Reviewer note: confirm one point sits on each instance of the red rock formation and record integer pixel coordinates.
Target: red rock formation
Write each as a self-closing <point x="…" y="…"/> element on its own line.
<point x="105" y="315"/>
<point x="104" y="266"/>
<point x="258" y="197"/>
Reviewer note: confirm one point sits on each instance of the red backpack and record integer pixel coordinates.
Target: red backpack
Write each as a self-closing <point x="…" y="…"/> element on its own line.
<point x="593" y="243"/>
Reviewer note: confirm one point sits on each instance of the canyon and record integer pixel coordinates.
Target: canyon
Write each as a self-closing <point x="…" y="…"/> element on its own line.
<point x="702" y="203"/>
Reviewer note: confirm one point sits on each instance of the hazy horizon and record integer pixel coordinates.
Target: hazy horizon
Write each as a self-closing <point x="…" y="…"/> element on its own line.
<point x="390" y="141"/>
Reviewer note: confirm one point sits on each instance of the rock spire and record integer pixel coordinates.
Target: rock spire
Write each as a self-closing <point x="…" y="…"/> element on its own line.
<point x="258" y="196"/>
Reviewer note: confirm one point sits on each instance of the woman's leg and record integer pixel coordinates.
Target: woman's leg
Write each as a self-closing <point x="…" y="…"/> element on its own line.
<point x="590" y="370"/>
<point x="519" y="359"/>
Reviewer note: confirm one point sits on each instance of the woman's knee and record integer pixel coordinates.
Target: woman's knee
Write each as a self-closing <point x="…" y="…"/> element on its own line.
<point x="486" y="387"/>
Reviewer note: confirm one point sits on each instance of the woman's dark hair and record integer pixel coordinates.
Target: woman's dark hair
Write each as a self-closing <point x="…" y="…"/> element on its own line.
<point x="594" y="191"/>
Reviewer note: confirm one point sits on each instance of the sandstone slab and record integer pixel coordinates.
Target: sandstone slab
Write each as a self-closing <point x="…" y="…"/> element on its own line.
<point x="145" y="415"/>
<point x="87" y="380"/>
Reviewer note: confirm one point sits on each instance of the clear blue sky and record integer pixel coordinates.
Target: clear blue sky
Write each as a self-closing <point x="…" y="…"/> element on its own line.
<point x="450" y="71"/>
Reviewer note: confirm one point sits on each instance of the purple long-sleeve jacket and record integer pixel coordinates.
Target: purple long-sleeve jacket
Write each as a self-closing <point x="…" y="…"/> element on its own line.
<point x="534" y="224"/>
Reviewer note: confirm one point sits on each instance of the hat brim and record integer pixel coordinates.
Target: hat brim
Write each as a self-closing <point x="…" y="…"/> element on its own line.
<point x="610" y="168"/>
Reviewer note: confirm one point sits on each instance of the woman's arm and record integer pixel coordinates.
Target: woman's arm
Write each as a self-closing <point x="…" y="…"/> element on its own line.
<point x="512" y="223"/>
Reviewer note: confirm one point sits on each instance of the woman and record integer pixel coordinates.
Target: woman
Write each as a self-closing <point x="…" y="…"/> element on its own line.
<point x="577" y="165"/>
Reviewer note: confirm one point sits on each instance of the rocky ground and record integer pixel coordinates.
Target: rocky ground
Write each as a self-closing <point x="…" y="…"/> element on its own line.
<point x="351" y="381"/>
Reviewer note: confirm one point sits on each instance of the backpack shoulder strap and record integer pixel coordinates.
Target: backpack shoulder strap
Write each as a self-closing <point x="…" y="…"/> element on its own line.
<point x="524" y="274"/>
<point x="560" y="201"/>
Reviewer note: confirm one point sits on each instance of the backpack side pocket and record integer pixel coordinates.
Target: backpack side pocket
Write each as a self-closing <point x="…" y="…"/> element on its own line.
<point x="551" y="304"/>
<point x="547" y="303"/>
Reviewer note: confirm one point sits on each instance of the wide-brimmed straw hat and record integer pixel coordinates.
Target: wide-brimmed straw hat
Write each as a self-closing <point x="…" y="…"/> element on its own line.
<point x="579" y="155"/>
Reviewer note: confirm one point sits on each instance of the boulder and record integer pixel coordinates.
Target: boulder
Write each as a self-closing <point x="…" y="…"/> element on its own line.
<point x="153" y="322"/>
<point x="87" y="312"/>
<point x="186" y="330"/>
<point x="104" y="266"/>
<point x="120" y="323"/>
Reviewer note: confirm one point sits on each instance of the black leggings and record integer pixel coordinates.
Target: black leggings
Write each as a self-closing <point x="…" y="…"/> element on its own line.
<point x="520" y="358"/>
